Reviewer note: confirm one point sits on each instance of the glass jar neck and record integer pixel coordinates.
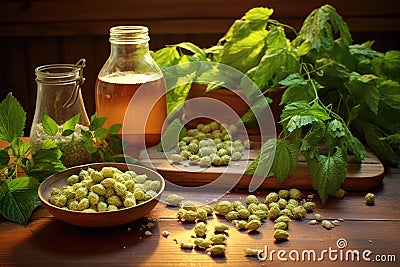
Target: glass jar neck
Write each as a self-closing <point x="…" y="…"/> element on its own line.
<point x="129" y="41"/>
<point x="129" y="50"/>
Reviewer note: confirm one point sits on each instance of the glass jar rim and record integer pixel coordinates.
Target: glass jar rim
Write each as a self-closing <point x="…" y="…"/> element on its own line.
<point x="57" y="73"/>
<point x="129" y="34"/>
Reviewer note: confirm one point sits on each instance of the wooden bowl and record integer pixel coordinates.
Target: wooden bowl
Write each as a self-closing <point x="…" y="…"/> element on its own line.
<point x="98" y="219"/>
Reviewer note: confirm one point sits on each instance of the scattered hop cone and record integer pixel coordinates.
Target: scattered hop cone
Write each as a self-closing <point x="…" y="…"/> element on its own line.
<point x="252" y="252"/>
<point x="253" y="225"/>
<point x="216" y="250"/>
<point x="202" y="243"/>
<point x="200" y="229"/>
<point x="218" y="239"/>
<point x="281" y="235"/>
<point x="186" y="245"/>
<point x="370" y="199"/>
<point x="220" y="228"/>
<point x="223" y="207"/>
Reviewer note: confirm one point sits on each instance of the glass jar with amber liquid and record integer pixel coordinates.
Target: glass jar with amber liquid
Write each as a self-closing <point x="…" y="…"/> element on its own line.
<point x="130" y="88"/>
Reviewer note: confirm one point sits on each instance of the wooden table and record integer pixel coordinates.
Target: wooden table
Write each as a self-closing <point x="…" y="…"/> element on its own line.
<point x="373" y="231"/>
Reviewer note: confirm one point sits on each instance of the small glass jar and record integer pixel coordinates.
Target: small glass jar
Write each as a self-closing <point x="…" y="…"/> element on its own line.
<point x="59" y="96"/>
<point x="130" y="88"/>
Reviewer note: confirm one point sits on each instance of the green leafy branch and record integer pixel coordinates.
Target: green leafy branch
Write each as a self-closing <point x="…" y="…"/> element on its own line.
<point x="100" y="143"/>
<point x="23" y="166"/>
<point x="105" y="144"/>
<point x="322" y="132"/>
<point x="338" y="97"/>
<point x="18" y="197"/>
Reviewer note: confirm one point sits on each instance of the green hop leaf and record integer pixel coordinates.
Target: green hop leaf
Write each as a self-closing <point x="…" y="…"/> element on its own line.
<point x="50" y="127"/>
<point x="101" y="133"/>
<point x="285" y="160"/>
<point x="328" y="172"/>
<point x="4" y="158"/>
<point x="18" y="199"/>
<point x="262" y="164"/>
<point x="172" y="135"/>
<point x="391" y="64"/>
<point x="96" y="123"/>
<point x="114" y="129"/>
<point x="258" y="13"/>
<point x="298" y="114"/>
<point x="12" y="119"/>
<point x="68" y="127"/>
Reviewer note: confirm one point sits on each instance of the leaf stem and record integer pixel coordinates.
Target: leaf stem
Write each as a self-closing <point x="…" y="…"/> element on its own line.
<point x="272" y="21"/>
<point x="308" y="73"/>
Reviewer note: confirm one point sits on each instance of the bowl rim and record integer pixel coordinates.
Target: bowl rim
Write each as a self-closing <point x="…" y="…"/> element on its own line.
<point x="83" y="166"/>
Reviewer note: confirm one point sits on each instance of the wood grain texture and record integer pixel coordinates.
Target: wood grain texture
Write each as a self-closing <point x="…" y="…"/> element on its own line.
<point x="58" y="10"/>
<point x="49" y="242"/>
<point x="44" y="243"/>
<point x="360" y="176"/>
<point x="37" y="32"/>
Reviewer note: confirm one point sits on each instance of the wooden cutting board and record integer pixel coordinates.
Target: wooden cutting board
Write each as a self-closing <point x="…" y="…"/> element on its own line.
<point x="360" y="176"/>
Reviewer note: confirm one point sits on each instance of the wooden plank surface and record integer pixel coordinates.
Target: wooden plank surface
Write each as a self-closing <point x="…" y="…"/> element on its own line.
<point x="32" y="18"/>
<point x="352" y="207"/>
<point x="175" y="26"/>
<point x="48" y="242"/>
<point x="360" y="176"/>
<point x="73" y="10"/>
<point x="69" y="30"/>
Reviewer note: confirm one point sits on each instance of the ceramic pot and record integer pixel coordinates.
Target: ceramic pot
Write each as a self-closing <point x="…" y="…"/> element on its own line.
<point x="195" y="112"/>
<point x="232" y="98"/>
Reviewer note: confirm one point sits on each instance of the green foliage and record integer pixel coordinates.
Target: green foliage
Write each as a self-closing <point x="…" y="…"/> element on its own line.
<point x="245" y="41"/>
<point x="105" y="144"/>
<point x="285" y="160"/>
<point x="297" y="89"/>
<point x="320" y="28"/>
<point x="50" y="127"/>
<point x="68" y="127"/>
<point x="277" y="62"/>
<point x="18" y="198"/>
<point x="18" y="195"/>
<point x="389" y="65"/>
<point x="338" y="96"/>
<point x="262" y="164"/>
<point x="174" y="133"/>
<point x="4" y="158"/>
<point x="328" y="172"/>
<point x="46" y="161"/>
<point x="298" y="114"/>
<point x="12" y="119"/>
<point x="364" y="90"/>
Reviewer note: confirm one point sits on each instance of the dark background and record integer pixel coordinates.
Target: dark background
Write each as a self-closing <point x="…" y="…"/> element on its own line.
<point x="39" y="32"/>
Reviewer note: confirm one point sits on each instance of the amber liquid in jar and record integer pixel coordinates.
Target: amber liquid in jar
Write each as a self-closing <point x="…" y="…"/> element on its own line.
<point x="144" y="116"/>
